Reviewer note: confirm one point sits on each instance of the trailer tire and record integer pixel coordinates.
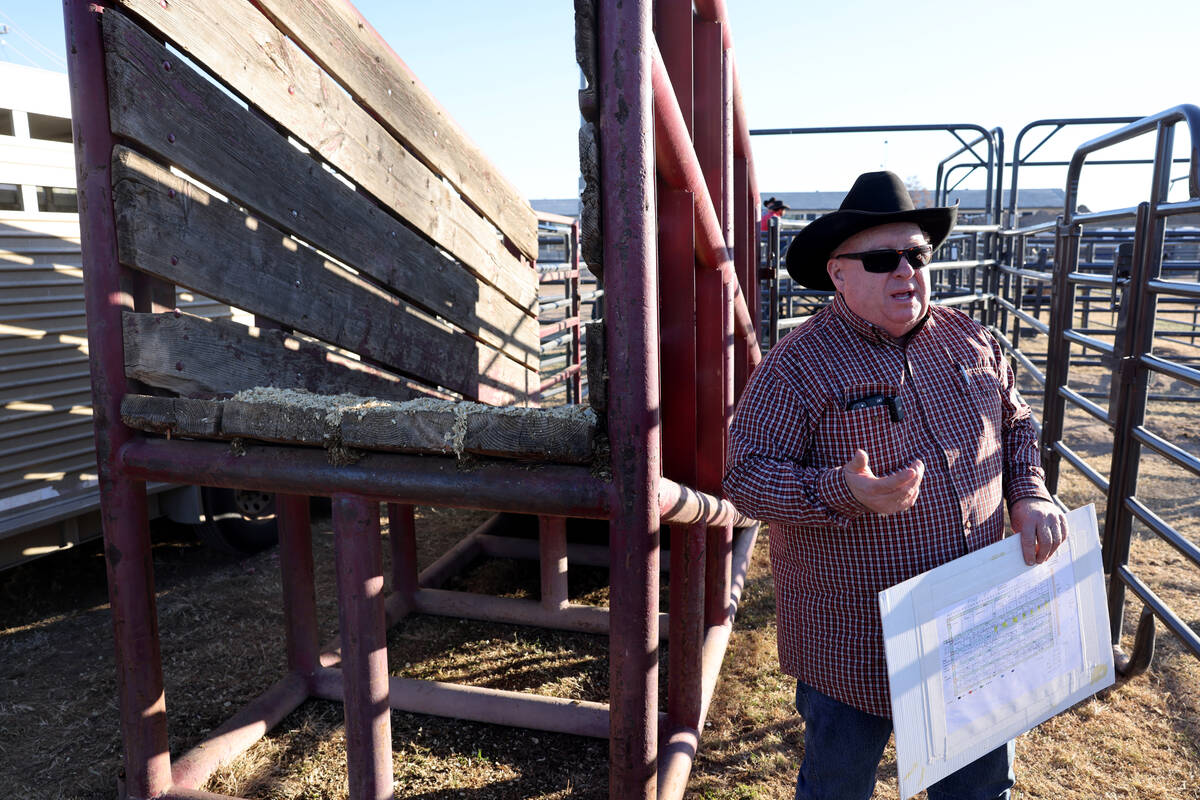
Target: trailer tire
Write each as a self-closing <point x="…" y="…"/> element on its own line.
<point x="238" y="521"/>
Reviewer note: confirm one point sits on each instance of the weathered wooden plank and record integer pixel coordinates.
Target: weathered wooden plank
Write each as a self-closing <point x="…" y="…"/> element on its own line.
<point x="242" y="46"/>
<point x="288" y="423"/>
<point x="560" y="435"/>
<point x="346" y="45"/>
<point x="596" y="361"/>
<point x="174" y="416"/>
<point x="242" y="156"/>
<point x="173" y="229"/>
<point x="200" y="357"/>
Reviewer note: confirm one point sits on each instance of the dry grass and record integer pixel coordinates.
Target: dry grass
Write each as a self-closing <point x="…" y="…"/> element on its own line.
<point x="222" y="644"/>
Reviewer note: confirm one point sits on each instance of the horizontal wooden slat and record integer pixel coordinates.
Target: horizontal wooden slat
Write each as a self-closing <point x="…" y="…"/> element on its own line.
<point x="346" y="45"/>
<point x="179" y="416"/>
<point x="439" y="427"/>
<point x="199" y="357"/>
<point x="559" y="435"/>
<point x="175" y="230"/>
<point x="271" y="72"/>
<point x="242" y="156"/>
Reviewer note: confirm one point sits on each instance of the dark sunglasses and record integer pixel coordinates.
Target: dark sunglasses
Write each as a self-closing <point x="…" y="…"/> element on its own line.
<point x="883" y="261"/>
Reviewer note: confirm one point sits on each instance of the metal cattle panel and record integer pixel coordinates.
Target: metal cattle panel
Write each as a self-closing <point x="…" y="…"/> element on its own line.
<point x="1128" y="351"/>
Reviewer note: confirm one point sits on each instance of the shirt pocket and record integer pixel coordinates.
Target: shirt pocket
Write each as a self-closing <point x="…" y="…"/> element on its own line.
<point x="870" y="429"/>
<point x="982" y="388"/>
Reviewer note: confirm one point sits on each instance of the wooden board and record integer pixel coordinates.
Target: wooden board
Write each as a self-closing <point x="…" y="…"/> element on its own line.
<point x="277" y="422"/>
<point x="242" y="156"/>
<point x="346" y="45"/>
<point x="200" y="357"/>
<point x="175" y="230"/>
<point x="525" y="433"/>
<point x="271" y="72"/>
<point x="560" y="435"/>
<point x="173" y="416"/>
<point x="596" y="362"/>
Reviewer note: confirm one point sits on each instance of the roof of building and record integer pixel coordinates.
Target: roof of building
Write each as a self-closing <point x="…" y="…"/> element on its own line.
<point x="966" y="198"/>
<point x="566" y="206"/>
<point x="829" y="201"/>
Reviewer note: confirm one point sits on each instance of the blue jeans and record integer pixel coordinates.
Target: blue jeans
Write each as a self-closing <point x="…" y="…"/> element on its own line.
<point x="842" y="748"/>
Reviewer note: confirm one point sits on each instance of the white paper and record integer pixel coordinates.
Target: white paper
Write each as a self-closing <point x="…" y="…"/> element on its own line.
<point x="983" y="648"/>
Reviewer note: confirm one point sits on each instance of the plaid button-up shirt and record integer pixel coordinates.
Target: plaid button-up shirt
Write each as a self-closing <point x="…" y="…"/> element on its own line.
<point x="792" y="432"/>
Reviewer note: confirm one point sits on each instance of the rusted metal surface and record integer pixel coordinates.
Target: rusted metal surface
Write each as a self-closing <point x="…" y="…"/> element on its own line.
<point x="296" y="573"/>
<point x="636" y="500"/>
<point x="681" y="505"/>
<point x="562" y="490"/>
<point x="359" y="556"/>
<point x="552" y="552"/>
<point x="627" y="170"/>
<point x="123" y="500"/>
<point x="681" y="742"/>
<point x="402" y="539"/>
<point x="239" y="732"/>
<point x="497" y="706"/>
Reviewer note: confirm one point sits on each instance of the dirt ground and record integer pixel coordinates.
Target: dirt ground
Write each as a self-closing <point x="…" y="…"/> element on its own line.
<point x="222" y="645"/>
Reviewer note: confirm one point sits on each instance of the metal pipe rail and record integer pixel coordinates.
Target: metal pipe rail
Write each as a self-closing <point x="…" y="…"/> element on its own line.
<point x="1087" y="405"/>
<point x="678" y="166"/>
<point x="1044" y="277"/>
<point x="1085" y="469"/>
<point x="1024" y="360"/>
<point x="1028" y="319"/>
<point x="1153" y="123"/>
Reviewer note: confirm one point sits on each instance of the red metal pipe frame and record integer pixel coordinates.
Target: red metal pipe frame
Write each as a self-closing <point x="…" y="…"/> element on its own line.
<point x="497" y="706"/>
<point x="627" y="168"/>
<point x="561" y="490"/>
<point x="681" y="743"/>
<point x="561" y="325"/>
<point x="122" y="499"/>
<point x="402" y="543"/>
<point x="297" y="577"/>
<point x="678" y="166"/>
<point x="677" y="266"/>
<point x="677" y="310"/>
<point x="239" y="732"/>
<point x="364" y="647"/>
<point x="570" y="371"/>
<point x="713" y="300"/>
<point x="552" y="558"/>
<point x="632" y="678"/>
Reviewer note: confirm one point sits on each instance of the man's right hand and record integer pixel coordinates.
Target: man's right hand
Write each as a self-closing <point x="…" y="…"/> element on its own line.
<point x="890" y="494"/>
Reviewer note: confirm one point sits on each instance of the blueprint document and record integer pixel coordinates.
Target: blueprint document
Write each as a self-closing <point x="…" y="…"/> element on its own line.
<point x="982" y="649"/>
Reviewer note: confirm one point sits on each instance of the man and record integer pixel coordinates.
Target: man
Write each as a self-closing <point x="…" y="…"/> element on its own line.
<point x="771" y="208"/>
<point x="879" y="439"/>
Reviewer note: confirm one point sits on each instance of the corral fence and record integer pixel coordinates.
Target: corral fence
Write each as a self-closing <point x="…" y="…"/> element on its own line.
<point x="1099" y="313"/>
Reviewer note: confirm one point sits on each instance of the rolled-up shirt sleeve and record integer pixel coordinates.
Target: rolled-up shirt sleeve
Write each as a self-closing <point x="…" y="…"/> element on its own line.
<point x="768" y="440"/>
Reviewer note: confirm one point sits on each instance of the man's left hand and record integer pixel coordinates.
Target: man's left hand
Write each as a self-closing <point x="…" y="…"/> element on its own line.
<point x="1042" y="527"/>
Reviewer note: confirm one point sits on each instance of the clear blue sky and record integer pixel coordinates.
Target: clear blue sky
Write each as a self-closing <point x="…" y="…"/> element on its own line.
<point x="506" y="72"/>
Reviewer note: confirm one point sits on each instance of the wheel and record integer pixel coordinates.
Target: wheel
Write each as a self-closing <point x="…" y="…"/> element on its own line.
<point x="238" y="521"/>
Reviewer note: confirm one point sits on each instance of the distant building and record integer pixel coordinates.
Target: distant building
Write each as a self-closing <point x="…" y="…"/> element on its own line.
<point x="1036" y="205"/>
<point x="37" y="162"/>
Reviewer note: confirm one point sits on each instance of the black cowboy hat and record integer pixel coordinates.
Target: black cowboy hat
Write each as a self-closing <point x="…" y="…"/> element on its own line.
<point x="876" y="198"/>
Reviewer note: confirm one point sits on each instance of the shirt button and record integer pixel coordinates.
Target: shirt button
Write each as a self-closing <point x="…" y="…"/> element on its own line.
<point x="967" y="527"/>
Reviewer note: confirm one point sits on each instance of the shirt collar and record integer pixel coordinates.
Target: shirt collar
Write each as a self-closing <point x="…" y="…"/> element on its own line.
<point x="873" y="333"/>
